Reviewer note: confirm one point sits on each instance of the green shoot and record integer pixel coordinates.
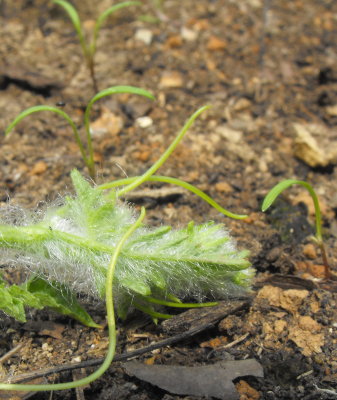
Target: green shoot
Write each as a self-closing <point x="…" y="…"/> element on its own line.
<point x="278" y="189"/>
<point x="90" y="51"/>
<point x="174" y="181"/>
<point x="165" y="156"/>
<point x="89" y="161"/>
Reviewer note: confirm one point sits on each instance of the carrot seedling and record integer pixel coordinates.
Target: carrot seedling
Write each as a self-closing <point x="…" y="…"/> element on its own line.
<point x="90" y="51"/>
<point x="278" y="189"/>
<point x="89" y="161"/>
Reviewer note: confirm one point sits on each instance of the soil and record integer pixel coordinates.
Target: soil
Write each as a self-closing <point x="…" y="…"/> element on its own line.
<point x="268" y="71"/>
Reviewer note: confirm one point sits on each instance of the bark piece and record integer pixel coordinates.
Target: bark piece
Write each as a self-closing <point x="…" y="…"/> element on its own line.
<point x="211" y="380"/>
<point x="208" y="315"/>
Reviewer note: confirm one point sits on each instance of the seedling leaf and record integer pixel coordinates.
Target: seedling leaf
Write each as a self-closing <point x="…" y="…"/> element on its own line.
<point x="276" y="191"/>
<point x="105" y="14"/>
<point x="71" y="11"/>
<point x="59" y="298"/>
<point x="165" y="156"/>
<point x="35" y="109"/>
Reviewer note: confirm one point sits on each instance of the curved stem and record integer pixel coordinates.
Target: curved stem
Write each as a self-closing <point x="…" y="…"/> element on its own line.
<point x="317" y="210"/>
<point x="180" y="305"/>
<point x="34" y="109"/>
<point x="150" y="312"/>
<point x="167" y="179"/>
<point x="164" y="157"/>
<point x="111" y="324"/>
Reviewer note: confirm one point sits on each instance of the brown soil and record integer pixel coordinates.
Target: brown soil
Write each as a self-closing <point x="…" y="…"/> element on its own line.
<point x="201" y="52"/>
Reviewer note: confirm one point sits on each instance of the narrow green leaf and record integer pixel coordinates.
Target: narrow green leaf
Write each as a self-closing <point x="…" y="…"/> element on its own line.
<point x="35" y="109"/>
<point x="105" y="14"/>
<point x="276" y="191"/>
<point x="179" y="305"/>
<point x="114" y="90"/>
<point x="149" y="310"/>
<point x="71" y="11"/>
<point x="174" y="181"/>
<point x="271" y="196"/>
<point x="164" y="156"/>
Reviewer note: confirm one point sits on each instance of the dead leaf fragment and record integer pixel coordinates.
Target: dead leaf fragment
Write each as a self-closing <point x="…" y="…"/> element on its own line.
<point x="210" y="380"/>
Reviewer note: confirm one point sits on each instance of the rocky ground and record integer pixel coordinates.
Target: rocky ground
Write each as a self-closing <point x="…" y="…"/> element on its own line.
<point x="268" y="71"/>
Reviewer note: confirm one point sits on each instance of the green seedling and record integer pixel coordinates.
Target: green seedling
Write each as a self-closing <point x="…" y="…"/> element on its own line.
<point x="158" y="4"/>
<point x="278" y="189"/>
<point x="89" y="161"/>
<point x="93" y="243"/>
<point x="90" y="51"/>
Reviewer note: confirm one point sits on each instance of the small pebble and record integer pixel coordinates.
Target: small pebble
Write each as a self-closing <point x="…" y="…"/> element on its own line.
<point x="215" y="43"/>
<point x="224" y="187"/>
<point x="188" y="34"/>
<point x="144" y="35"/>
<point x="310" y="251"/>
<point x="144" y="122"/>
<point x="171" y="80"/>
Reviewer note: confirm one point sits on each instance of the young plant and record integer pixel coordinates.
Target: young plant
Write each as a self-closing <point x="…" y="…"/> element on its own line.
<point x="278" y="189"/>
<point x="83" y="243"/>
<point x="89" y="161"/>
<point x="90" y="51"/>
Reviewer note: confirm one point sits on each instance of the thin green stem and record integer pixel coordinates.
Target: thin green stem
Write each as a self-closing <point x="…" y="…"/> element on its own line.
<point x="166" y="179"/>
<point x="111" y="324"/>
<point x="319" y="238"/>
<point x="278" y="189"/>
<point x="317" y="211"/>
<point x="150" y="312"/>
<point x="180" y="305"/>
<point x="164" y="157"/>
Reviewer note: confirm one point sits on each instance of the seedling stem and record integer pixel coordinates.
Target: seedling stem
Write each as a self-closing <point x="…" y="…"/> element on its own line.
<point x="278" y="189"/>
